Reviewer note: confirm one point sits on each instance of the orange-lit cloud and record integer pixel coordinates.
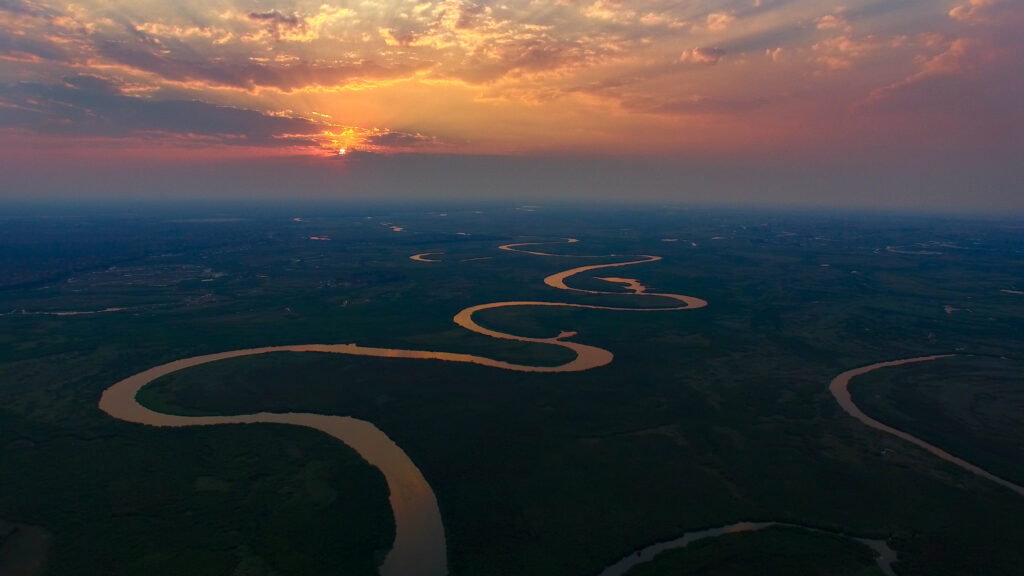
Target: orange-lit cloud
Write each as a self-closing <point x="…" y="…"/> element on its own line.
<point x="972" y="10"/>
<point x="952" y="61"/>
<point x="719" y="20"/>
<point x="709" y="56"/>
<point x="646" y="77"/>
<point x="831" y="22"/>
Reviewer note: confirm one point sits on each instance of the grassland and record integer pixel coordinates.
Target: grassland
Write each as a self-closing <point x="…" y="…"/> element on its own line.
<point x="705" y="417"/>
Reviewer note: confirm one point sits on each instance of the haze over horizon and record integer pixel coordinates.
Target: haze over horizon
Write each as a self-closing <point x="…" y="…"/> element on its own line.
<point x="866" y="103"/>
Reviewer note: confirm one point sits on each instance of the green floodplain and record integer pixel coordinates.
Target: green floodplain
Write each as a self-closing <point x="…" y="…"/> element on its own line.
<point x="704" y="418"/>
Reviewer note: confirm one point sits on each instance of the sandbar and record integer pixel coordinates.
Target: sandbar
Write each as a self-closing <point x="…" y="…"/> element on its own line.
<point x="422" y="257"/>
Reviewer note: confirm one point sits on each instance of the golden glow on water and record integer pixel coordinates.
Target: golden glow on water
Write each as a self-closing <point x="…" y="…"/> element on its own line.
<point x="423" y="257"/>
<point x="419" y="546"/>
<point x="631" y="284"/>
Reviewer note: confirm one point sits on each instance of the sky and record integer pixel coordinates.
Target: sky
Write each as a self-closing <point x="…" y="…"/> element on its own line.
<point x="905" y="104"/>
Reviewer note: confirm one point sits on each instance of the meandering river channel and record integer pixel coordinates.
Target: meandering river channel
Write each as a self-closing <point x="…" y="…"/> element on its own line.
<point x="419" y="547"/>
<point x="840" y="389"/>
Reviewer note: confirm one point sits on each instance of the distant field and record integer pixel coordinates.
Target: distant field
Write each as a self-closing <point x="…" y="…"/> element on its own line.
<point x="705" y="417"/>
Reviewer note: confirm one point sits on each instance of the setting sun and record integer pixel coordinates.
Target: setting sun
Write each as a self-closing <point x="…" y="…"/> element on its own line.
<point x="683" y="95"/>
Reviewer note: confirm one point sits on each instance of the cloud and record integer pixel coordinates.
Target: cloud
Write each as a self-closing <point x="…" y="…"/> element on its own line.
<point x="90" y="106"/>
<point x="302" y="27"/>
<point x="840" y="52"/>
<point x="473" y="42"/>
<point x="281" y="26"/>
<point x="518" y="57"/>
<point x="989" y="49"/>
<point x="399" y="140"/>
<point x="233" y="48"/>
<point x="30" y="32"/>
<point x="719" y="20"/>
<point x="972" y="11"/>
<point x="610" y="10"/>
<point x="308" y="44"/>
<point x="519" y="73"/>
<point x="830" y="22"/>
<point x="177" y="61"/>
<point x="23" y="7"/>
<point x="663" y="18"/>
<point x="33" y="48"/>
<point x="965" y="97"/>
<point x="276" y="18"/>
<point x="953" y="61"/>
<point x="705" y="56"/>
<point x="693" y="106"/>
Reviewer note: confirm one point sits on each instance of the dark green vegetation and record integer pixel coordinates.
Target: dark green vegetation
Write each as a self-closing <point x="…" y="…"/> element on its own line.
<point x="705" y="417"/>
<point x="22" y="549"/>
<point x="237" y="500"/>
<point x="966" y="404"/>
<point x="777" y="551"/>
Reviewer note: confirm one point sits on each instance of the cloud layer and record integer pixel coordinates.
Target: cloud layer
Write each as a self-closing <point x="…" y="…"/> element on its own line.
<point x="92" y="107"/>
<point x="649" y="77"/>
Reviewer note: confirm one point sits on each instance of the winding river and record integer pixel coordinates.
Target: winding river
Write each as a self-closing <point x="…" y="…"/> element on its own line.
<point x="884" y="556"/>
<point x="840" y="389"/>
<point x="419" y="547"/>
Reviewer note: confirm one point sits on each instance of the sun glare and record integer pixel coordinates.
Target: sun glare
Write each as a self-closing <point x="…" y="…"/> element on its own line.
<point x="342" y="151"/>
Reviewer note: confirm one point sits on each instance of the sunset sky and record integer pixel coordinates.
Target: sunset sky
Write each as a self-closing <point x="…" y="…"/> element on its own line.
<point x="885" y="103"/>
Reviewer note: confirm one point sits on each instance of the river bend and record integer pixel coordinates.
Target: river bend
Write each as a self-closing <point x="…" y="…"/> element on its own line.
<point x="419" y="546"/>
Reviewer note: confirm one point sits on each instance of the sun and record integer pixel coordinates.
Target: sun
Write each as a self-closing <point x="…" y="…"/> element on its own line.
<point x="342" y="151"/>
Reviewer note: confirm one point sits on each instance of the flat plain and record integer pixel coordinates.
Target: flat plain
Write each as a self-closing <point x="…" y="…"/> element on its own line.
<point x="704" y="418"/>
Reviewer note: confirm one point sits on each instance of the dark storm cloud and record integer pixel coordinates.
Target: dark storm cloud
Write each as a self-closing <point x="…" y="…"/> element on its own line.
<point x="90" y="106"/>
